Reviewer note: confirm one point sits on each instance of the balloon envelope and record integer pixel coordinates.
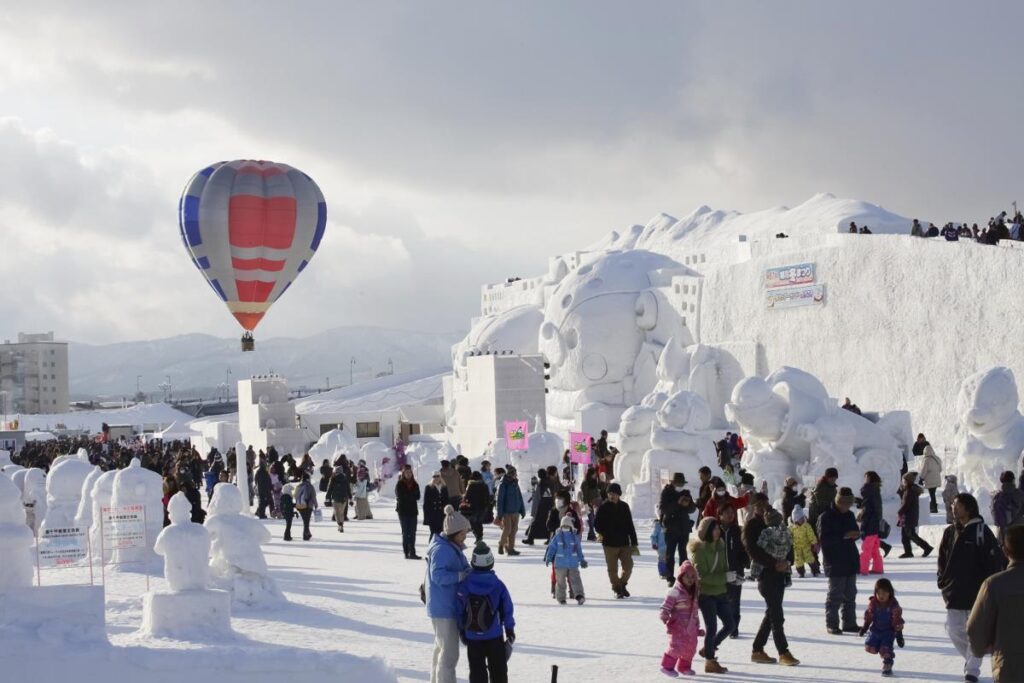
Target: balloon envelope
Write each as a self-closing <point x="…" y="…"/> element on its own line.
<point x="250" y="228"/>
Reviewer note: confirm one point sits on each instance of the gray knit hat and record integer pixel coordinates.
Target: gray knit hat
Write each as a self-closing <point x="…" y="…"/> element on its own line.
<point x="454" y="522"/>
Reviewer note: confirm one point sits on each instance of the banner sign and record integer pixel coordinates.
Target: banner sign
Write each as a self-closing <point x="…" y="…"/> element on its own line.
<point x="810" y="295"/>
<point x="579" y="448"/>
<point x="517" y="435"/>
<point x="124" y="527"/>
<point x="787" y="276"/>
<point x="63" y="547"/>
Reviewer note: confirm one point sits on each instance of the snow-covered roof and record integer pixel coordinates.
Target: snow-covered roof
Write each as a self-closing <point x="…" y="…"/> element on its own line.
<point x="392" y="392"/>
<point x="423" y="414"/>
<point x="143" y="414"/>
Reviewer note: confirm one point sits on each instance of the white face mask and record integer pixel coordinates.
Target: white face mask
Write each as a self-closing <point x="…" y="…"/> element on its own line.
<point x="559" y="503"/>
<point x="680" y="488"/>
<point x="720" y="492"/>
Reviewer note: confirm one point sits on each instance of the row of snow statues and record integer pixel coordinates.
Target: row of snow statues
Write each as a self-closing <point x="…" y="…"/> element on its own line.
<point x="793" y="428"/>
<point x="224" y="553"/>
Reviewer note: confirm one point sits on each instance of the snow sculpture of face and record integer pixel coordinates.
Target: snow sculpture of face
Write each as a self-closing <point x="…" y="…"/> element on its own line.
<point x="987" y="400"/>
<point x="227" y="500"/>
<point x="64" y="484"/>
<point x="759" y="410"/>
<point x="11" y="509"/>
<point x="35" y="486"/>
<point x="179" y="509"/>
<point x="596" y="320"/>
<point x="684" y="411"/>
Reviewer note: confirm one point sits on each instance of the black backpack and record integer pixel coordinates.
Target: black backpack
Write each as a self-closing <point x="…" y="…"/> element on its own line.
<point x="480" y="614"/>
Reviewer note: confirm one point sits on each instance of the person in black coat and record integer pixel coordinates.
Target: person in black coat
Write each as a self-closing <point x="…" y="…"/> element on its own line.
<point x="675" y="507"/>
<point x="476" y="504"/>
<point x="838" y="534"/>
<point x="871" y="525"/>
<point x="772" y="587"/>
<point x="737" y="560"/>
<point x="543" y="501"/>
<point x="194" y="497"/>
<point x="910" y="516"/>
<point x="264" y="491"/>
<point x="435" y="497"/>
<point x="614" y="524"/>
<point x="791" y="498"/>
<point x="407" y="497"/>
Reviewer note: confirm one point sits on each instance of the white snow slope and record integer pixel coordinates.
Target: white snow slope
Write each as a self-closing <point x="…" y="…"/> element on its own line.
<point x="354" y="593"/>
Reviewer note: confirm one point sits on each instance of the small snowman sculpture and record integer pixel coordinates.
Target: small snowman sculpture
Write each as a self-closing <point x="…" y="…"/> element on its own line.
<point x="15" y="540"/>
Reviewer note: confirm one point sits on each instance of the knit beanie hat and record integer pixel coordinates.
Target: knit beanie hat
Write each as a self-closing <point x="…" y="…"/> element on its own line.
<point x="454" y="522"/>
<point x="567" y="523"/>
<point x="483" y="558"/>
<point x="798" y="514"/>
<point x="773" y="518"/>
<point x="615" y="488"/>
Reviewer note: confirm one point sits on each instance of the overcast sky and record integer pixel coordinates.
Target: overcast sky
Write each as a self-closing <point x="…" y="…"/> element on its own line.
<point x="459" y="143"/>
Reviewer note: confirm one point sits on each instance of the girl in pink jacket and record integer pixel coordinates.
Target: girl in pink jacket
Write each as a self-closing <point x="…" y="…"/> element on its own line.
<point x="681" y="617"/>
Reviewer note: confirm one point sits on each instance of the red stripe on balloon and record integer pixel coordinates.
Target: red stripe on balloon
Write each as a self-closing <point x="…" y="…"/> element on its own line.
<point x="271" y="265"/>
<point x="261" y="222"/>
<point x="265" y="171"/>
<point x="249" y="321"/>
<point x="253" y="291"/>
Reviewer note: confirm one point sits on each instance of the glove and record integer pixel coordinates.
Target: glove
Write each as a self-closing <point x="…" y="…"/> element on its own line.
<point x="899" y="639"/>
<point x="510" y="635"/>
<point x="583" y="564"/>
<point x="546" y="563"/>
<point x="863" y="631"/>
<point x="636" y="551"/>
<point x="701" y="633"/>
<point x="654" y="546"/>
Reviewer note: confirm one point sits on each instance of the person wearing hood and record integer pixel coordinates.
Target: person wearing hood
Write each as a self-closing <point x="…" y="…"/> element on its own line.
<point x="931" y="474"/>
<point x="910" y="516"/>
<point x="435" y="497"/>
<point x="804" y="543"/>
<point x="712" y="565"/>
<point x="949" y="495"/>
<point x="871" y="524"/>
<point x="968" y="554"/>
<point x="540" y="507"/>
<point x="565" y="551"/>
<point x="837" y="529"/>
<point x="1007" y="504"/>
<point x="680" y="614"/>
<point x="510" y="509"/>
<point x="485" y="611"/>
<point x="446" y="569"/>
<point x="996" y="623"/>
<point x="676" y="507"/>
<point x="339" y="491"/>
<point x="361" y="493"/>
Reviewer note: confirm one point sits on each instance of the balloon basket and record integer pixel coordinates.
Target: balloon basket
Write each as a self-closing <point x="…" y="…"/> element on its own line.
<point x="248" y="343"/>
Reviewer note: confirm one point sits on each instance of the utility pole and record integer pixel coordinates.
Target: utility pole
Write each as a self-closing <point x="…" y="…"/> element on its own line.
<point x="351" y="370"/>
<point x="391" y="367"/>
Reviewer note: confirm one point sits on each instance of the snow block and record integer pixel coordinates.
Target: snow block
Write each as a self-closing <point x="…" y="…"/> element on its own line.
<point x="54" y="614"/>
<point x="188" y="615"/>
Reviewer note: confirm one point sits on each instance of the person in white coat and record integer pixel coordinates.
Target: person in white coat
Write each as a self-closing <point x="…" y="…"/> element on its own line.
<point x="931" y="475"/>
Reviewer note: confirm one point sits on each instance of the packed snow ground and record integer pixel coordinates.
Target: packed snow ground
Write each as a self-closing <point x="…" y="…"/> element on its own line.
<point x="354" y="593"/>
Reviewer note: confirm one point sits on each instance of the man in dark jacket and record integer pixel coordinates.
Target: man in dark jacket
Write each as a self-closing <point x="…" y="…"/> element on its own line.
<point x="910" y="516"/>
<point x="838" y="534"/>
<point x="772" y="587"/>
<point x="737" y="561"/>
<point x="614" y="523"/>
<point x="510" y="509"/>
<point x="968" y="554"/>
<point x="676" y="506"/>
<point x="706" y="489"/>
<point x="339" y="492"/>
<point x="996" y="624"/>
<point x="264" y="492"/>
<point x="1007" y="504"/>
<point x="823" y="495"/>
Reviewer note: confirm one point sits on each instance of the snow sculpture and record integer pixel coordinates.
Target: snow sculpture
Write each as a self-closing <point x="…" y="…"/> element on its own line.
<point x="15" y="540"/>
<point x="5" y="459"/>
<point x="380" y="459"/>
<point x="236" y="561"/>
<point x="793" y="428"/>
<point x="83" y="516"/>
<point x="34" y="498"/>
<point x="18" y="477"/>
<point x="190" y="608"/>
<point x="136" y="485"/>
<point x="993" y="431"/>
<point x="64" y="491"/>
<point x="677" y="446"/>
<point x="603" y="332"/>
<point x="425" y="458"/>
<point x="334" y="443"/>
<point x="100" y="496"/>
<point x="546" y="449"/>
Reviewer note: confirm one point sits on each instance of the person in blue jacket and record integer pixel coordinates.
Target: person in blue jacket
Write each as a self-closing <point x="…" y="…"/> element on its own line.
<point x="485" y="610"/>
<point x="446" y="568"/>
<point x="510" y="509"/>
<point x="566" y="551"/>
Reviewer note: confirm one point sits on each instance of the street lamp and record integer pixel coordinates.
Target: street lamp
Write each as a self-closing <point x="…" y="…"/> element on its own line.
<point x="351" y="370"/>
<point x="227" y="384"/>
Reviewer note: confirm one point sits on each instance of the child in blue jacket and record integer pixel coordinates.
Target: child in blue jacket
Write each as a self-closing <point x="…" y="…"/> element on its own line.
<point x="883" y="624"/>
<point x="484" y="610"/>
<point x="658" y="544"/>
<point x="566" y="552"/>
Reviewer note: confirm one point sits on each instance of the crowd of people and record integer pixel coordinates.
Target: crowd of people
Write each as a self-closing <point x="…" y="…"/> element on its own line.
<point x="998" y="228"/>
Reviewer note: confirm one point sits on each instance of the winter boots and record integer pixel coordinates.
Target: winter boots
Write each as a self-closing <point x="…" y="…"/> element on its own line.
<point x="762" y="657"/>
<point x="887" y="667"/>
<point x="712" y="666"/>
<point x="787" y="659"/>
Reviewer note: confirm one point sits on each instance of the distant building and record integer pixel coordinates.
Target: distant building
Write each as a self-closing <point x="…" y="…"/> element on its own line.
<point x="34" y="375"/>
<point x="267" y="418"/>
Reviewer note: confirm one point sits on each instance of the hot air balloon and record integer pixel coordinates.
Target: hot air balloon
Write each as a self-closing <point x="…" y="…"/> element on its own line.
<point x="250" y="228"/>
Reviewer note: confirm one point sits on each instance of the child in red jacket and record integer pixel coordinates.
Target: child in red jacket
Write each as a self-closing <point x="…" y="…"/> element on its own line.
<point x="681" y="616"/>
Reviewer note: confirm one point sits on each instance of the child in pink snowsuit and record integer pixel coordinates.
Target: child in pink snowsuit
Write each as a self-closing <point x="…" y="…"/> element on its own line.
<point x="681" y="617"/>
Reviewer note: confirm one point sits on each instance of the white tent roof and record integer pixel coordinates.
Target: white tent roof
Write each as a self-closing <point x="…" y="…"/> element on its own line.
<point x="39" y="436"/>
<point x="159" y="415"/>
<point x="384" y="393"/>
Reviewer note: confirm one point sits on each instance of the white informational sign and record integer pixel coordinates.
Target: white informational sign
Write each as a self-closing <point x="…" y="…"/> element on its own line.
<point x="787" y="276"/>
<point x="810" y="295"/>
<point x="124" y="527"/>
<point x="63" y="547"/>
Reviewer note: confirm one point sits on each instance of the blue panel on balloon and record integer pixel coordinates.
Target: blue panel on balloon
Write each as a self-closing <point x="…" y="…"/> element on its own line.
<point x="190" y="221"/>
<point x="286" y="287"/>
<point x="217" y="288"/>
<point x="302" y="266"/>
<point x="321" y="223"/>
<point x="202" y="263"/>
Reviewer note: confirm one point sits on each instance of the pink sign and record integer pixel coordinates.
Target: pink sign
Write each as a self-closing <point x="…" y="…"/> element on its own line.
<point x="579" y="448"/>
<point x="517" y="435"/>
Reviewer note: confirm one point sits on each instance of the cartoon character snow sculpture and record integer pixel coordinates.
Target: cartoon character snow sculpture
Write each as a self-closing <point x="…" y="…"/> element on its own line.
<point x="15" y="540"/>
